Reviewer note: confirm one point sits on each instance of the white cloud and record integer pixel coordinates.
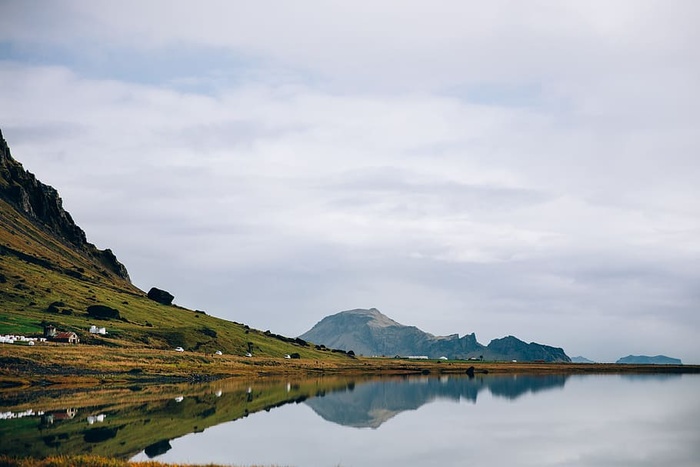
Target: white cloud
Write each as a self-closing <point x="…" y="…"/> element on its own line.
<point x="458" y="168"/>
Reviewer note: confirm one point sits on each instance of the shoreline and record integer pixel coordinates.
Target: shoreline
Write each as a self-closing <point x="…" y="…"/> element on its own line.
<point x="234" y="388"/>
<point x="73" y="367"/>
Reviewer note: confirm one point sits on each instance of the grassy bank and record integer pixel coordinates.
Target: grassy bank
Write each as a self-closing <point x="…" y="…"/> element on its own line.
<point x="83" y="366"/>
<point x="131" y="416"/>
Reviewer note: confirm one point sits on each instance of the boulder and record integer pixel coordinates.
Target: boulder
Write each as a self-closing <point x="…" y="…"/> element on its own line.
<point x="160" y="296"/>
<point x="156" y="449"/>
<point x="103" y="312"/>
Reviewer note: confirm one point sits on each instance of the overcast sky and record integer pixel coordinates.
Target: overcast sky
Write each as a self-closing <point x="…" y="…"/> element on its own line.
<point x="527" y="168"/>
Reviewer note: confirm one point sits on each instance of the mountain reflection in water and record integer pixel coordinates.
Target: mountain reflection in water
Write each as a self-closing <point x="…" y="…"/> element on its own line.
<point x="375" y="402"/>
<point x="122" y="423"/>
<point x="577" y="420"/>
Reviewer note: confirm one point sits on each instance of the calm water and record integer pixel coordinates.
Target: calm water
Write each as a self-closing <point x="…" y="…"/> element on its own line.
<point x="511" y="420"/>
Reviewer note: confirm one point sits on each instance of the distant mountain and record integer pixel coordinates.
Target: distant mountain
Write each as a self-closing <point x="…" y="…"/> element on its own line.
<point x="369" y="332"/>
<point x="581" y="360"/>
<point x="646" y="360"/>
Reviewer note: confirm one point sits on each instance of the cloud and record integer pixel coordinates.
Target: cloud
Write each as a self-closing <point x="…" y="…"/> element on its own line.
<point x="498" y="169"/>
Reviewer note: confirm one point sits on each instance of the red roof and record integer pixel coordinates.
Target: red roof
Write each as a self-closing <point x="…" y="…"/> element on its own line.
<point x="64" y="335"/>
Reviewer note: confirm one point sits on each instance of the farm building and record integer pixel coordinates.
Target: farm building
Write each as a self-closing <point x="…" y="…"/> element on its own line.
<point x="69" y="337"/>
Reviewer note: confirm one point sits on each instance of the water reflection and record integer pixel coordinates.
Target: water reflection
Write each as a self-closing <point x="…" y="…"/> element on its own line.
<point x="373" y="403"/>
<point x="564" y="421"/>
<point x="123" y="422"/>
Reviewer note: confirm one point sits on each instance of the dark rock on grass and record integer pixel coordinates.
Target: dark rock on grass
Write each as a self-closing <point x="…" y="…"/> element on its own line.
<point x="55" y="307"/>
<point x="98" y="435"/>
<point x="156" y="449"/>
<point x="161" y="296"/>
<point x="76" y="274"/>
<point x="103" y="312"/>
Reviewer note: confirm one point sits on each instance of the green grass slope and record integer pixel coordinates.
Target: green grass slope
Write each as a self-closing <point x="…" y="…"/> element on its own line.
<point x="37" y="270"/>
<point x="51" y="274"/>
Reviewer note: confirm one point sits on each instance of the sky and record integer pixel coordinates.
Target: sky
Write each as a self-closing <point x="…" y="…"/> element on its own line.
<point x="527" y="168"/>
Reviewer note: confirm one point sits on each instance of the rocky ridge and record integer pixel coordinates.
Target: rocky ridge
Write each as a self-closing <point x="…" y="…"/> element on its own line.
<point x="42" y="205"/>
<point x="369" y="332"/>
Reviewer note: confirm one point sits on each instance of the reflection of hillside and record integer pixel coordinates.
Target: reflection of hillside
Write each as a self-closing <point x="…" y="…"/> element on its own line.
<point x="514" y="386"/>
<point x="650" y="377"/>
<point x="375" y="402"/>
<point x="122" y="423"/>
<point x="145" y="417"/>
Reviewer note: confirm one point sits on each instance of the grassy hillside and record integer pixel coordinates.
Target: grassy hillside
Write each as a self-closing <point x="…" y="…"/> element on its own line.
<point x="37" y="270"/>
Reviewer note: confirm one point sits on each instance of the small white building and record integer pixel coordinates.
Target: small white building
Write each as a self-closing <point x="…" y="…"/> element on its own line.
<point x="97" y="330"/>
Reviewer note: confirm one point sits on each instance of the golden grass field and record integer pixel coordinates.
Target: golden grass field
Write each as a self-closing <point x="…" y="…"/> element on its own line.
<point x="83" y="365"/>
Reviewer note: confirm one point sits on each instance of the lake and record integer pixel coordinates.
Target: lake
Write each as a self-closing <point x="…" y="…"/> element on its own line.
<point x="552" y="420"/>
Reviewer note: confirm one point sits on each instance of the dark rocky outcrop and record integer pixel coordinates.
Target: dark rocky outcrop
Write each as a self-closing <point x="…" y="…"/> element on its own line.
<point x="42" y="205"/>
<point x="369" y="332"/>
<point x="156" y="449"/>
<point x="100" y="434"/>
<point x="161" y="296"/>
<point x="512" y="348"/>
<point x="103" y="312"/>
<point x="59" y="307"/>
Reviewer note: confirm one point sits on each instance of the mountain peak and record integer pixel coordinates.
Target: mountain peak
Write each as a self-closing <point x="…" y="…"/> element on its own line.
<point x="372" y="317"/>
<point x="369" y="332"/>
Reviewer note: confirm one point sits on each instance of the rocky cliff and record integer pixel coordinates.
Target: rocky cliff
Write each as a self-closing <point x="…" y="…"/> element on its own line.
<point x="369" y="332"/>
<point x="42" y="205"/>
<point x="512" y="348"/>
